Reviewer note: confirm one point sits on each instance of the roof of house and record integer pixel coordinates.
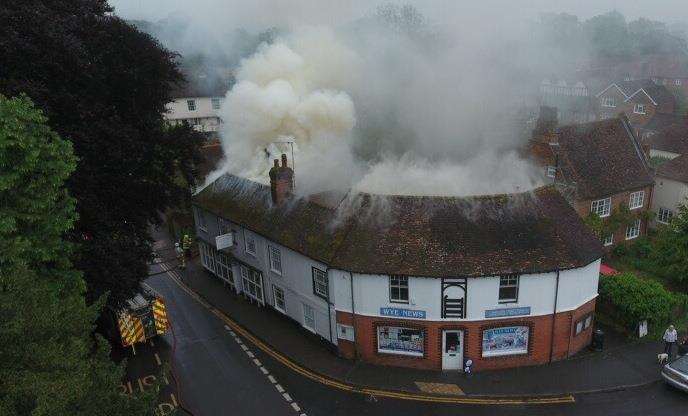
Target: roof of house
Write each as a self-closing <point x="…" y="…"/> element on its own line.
<point x="659" y="94"/>
<point x="676" y="169"/>
<point x="529" y="232"/>
<point x="672" y="139"/>
<point x="211" y="155"/>
<point x="602" y="158"/>
<point x="661" y="121"/>
<point x="201" y="86"/>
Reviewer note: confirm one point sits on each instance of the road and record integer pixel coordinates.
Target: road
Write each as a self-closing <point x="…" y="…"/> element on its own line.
<point x="220" y="373"/>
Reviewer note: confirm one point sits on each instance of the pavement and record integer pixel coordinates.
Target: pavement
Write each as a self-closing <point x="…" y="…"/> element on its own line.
<point x="621" y="364"/>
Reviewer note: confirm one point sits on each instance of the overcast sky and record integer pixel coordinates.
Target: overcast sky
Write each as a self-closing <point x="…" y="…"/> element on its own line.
<point x="274" y="12"/>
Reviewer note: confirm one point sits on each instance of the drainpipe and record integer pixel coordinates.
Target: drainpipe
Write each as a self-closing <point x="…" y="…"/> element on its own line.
<point x="329" y="313"/>
<point x="353" y="315"/>
<point x="554" y="318"/>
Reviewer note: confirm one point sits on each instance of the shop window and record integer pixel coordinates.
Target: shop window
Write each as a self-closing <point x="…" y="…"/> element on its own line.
<point x="278" y="295"/>
<point x="308" y="317"/>
<point x="398" y="289"/>
<point x="510" y="340"/>
<point x="400" y="341"/>
<point x="508" y="288"/>
<point x="320" y="283"/>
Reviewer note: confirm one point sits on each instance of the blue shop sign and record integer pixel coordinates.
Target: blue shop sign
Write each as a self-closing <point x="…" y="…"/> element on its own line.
<point x="402" y="313"/>
<point x="501" y="313"/>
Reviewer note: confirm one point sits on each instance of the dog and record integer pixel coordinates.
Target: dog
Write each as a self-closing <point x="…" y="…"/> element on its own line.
<point x="662" y="358"/>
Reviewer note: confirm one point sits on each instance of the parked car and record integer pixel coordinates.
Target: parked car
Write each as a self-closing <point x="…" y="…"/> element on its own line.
<point x="676" y="373"/>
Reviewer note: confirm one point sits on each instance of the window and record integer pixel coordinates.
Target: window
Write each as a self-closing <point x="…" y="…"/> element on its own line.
<point x="677" y="82"/>
<point x="510" y="340"/>
<point x="320" y="284"/>
<point x="400" y="341"/>
<point x="191" y="104"/>
<point x="583" y="324"/>
<point x="223" y="267"/>
<point x="223" y="226"/>
<point x="636" y="200"/>
<point x="205" y="259"/>
<point x="250" y="244"/>
<point x="639" y="108"/>
<point x="633" y="230"/>
<point x="665" y="215"/>
<point x="278" y="295"/>
<point x="602" y="207"/>
<point x="608" y="102"/>
<point x="215" y="103"/>
<point x="508" y="288"/>
<point x="398" y="289"/>
<point x="551" y="171"/>
<point x="308" y="318"/>
<point x="252" y="282"/>
<point x="608" y="240"/>
<point x="275" y="259"/>
<point x="200" y="218"/>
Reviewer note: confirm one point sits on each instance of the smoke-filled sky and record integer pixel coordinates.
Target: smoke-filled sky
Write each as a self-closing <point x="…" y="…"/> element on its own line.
<point x="426" y="107"/>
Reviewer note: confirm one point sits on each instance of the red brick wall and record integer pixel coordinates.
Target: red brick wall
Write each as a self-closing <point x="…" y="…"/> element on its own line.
<point x="540" y="340"/>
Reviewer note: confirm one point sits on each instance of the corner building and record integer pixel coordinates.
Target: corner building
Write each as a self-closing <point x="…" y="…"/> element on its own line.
<point x="422" y="282"/>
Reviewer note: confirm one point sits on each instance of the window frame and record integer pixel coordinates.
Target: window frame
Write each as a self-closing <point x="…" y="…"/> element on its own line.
<point x="306" y="306"/>
<point x="516" y="285"/>
<point x="191" y="104"/>
<point x="271" y="259"/>
<point x="668" y="215"/>
<point x="608" y="240"/>
<point x="252" y="278"/>
<point x="585" y="322"/>
<point x="202" y="224"/>
<point x="248" y="237"/>
<point x="551" y="172"/>
<point x="213" y="102"/>
<point x="606" y="202"/>
<point x="678" y="82"/>
<point x="275" y="290"/>
<point x="609" y="102"/>
<point x="630" y="236"/>
<point x="399" y="286"/>
<point x="639" y="108"/>
<point x="325" y="283"/>
<point x="634" y="196"/>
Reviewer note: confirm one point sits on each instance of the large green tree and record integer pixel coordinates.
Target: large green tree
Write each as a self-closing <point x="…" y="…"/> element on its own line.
<point x="50" y="364"/>
<point x="102" y="84"/>
<point x="670" y="251"/>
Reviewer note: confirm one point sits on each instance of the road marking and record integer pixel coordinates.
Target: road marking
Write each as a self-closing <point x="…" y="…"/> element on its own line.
<point x="295" y="407"/>
<point x="279" y="388"/>
<point x="250" y="354"/>
<point x="287" y="397"/>
<point x="244" y="347"/>
<point x="152" y="343"/>
<point x="157" y="359"/>
<point x="331" y="382"/>
<point x="272" y="379"/>
<point x="257" y="362"/>
<point x="264" y="370"/>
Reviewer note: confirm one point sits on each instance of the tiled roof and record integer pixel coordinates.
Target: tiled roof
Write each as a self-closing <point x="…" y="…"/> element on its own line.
<point x="672" y="139"/>
<point x="416" y="236"/>
<point x="602" y="158"/>
<point x="661" y="121"/>
<point x="676" y="169"/>
<point x="659" y="93"/>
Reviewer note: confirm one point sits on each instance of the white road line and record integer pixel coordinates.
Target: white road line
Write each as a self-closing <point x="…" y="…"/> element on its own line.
<point x="295" y="407"/>
<point x="250" y="354"/>
<point x="286" y="396"/>
<point x="230" y="331"/>
<point x="272" y="379"/>
<point x="157" y="359"/>
<point x="302" y="414"/>
<point x="244" y="347"/>
<point x="257" y="362"/>
<point x="264" y="370"/>
<point x="279" y="388"/>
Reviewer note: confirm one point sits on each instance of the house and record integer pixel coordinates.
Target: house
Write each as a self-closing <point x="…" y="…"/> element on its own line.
<point x="602" y="169"/>
<point x="198" y="103"/>
<point x="671" y="188"/>
<point x="423" y="282"/>
<point x="639" y="100"/>
<point x="571" y="98"/>
<point x="668" y="143"/>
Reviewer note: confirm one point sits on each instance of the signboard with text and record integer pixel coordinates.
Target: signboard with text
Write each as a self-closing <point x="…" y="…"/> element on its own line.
<point x="509" y="340"/>
<point x="224" y="241"/>
<point x="506" y="312"/>
<point x="402" y="313"/>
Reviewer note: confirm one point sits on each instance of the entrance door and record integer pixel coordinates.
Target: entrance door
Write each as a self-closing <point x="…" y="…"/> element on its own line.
<point x="452" y="349"/>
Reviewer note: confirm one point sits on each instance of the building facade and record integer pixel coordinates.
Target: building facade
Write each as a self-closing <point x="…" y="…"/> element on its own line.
<point x="425" y="287"/>
<point x="201" y="112"/>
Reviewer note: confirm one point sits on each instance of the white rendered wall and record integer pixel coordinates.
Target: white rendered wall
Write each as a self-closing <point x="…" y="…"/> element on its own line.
<point x="668" y="193"/>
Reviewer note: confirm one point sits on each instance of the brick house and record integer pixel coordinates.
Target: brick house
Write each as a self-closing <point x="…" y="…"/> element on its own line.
<point x="600" y="166"/>
<point x="422" y="282"/>
<point x="639" y="100"/>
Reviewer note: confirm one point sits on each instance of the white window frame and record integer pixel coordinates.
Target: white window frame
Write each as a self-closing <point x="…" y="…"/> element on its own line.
<point x="639" y="108"/>
<point x="191" y="105"/>
<point x="608" y="240"/>
<point x="400" y="283"/>
<point x="636" y="200"/>
<point x="664" y="215"/>
<point x="275" y="259"/>
<point x="250" y="243"/>
<point x="275" y="290"/>
<point x="633" y="231"/>
<point x="677" y="82"/>
<point x="508" y="281"/>
<point x="605" y="203"/>
<point x="320" y="283"/>
<point x="215" y="103"/>
<point x="202" y="224"/>
<point x="252" y="283"/>
<point x="609" y="102"/>
<point x="551" y="171"/>
<point x="306" y="309"/>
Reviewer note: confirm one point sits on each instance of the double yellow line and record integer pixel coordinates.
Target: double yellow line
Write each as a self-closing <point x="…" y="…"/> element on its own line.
<point x="330" y="382"/>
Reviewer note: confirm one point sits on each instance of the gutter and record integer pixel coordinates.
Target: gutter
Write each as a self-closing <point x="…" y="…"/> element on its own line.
<point x="554" y="320"/>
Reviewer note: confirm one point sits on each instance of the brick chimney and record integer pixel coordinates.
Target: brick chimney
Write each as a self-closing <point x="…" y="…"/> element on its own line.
<point x="281" y="181"/>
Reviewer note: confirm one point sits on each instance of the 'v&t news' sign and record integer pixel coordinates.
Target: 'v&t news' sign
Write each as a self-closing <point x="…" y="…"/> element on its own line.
<point x="402" y="313"/>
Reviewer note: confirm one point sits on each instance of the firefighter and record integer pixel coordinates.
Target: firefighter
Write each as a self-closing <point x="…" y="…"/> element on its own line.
<point x="186" y="245"/>
<point x="180" y="256"/>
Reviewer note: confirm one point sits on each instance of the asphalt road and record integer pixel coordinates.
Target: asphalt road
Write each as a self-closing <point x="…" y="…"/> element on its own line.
<point x="222" y="374"/>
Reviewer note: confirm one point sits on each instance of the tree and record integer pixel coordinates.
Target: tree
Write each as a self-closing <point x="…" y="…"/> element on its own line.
<point x="49" y="362"/>
<point x="669" y="254"/>
<point x="103" y="85"/>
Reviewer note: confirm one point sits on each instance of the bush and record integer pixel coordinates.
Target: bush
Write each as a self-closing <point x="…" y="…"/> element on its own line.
<point x="634" y="299"/>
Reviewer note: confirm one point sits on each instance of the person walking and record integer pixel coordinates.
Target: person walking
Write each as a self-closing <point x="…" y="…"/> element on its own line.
<point x="180" y="256"/>
<point x="669" y="338"/>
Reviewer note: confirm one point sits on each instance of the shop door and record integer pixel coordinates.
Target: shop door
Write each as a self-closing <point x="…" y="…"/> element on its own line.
<point x="452" y="349"/>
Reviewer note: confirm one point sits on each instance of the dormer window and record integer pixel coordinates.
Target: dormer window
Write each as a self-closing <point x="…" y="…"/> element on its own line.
<point x="639" y="108"/>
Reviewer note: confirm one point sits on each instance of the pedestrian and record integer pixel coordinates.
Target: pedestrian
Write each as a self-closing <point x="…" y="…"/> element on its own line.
<point x="669" y="338"/>
<point x="180" y="255"/>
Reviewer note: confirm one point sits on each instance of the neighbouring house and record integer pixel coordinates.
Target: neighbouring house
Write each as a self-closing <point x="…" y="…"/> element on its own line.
<point x="198" y="103"/>
<point x="600" y="168"/>
<point x="414" y="281"/>
<point x="639" y="100"/>
<point x="659" y="122"/>
<point x="571" y="98"/>
<point x="671" y="188"/>
<point x="668" y="143"/>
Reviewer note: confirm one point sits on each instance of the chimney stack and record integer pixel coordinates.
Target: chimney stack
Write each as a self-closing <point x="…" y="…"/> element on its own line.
<point x="281" y="181"/>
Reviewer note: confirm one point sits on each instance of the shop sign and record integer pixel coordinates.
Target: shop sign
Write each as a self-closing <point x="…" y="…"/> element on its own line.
<point x="506" y="312"/>
<point x="224" y="241"/>
<point x="402" y="313"/>
<point x="509" y="340"/>
<point x="402" y="341"/>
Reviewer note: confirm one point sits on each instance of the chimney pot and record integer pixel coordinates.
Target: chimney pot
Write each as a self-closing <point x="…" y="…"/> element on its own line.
<point x="276" y="163"/>
<point x="284" y="160"/>
<point x="281" y="181"/>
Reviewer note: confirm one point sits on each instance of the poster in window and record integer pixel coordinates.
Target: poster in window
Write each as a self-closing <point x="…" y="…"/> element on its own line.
<point x="403" y="341"/>
<point x="510" y="340"/>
